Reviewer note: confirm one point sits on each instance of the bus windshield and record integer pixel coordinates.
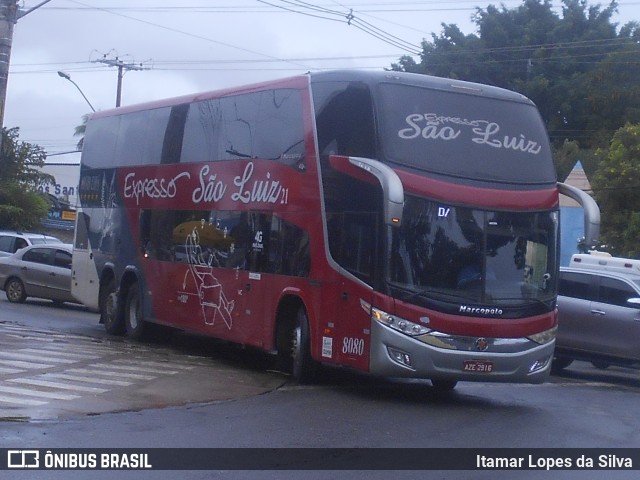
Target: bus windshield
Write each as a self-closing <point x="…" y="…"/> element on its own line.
<point x="471" y="137"/>
<point x="455" y="254"/>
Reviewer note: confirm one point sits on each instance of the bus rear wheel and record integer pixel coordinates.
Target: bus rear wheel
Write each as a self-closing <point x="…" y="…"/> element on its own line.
<point x="303" y="367"/>
<point x="108" y="301"/>
<point x="133" y="319"/>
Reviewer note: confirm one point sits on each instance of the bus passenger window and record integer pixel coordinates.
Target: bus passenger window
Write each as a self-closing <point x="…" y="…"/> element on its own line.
<point x="345" y="121"/>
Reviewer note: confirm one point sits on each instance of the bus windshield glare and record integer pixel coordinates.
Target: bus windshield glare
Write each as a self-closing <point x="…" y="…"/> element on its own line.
<point x="457" y="254"/>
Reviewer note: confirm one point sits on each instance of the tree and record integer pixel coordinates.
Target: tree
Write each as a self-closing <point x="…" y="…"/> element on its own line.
<point x="80" y="131"/>
<point x="617" y="189"/>
<point x="21" y="206"/>
<point x="582" y="74"/>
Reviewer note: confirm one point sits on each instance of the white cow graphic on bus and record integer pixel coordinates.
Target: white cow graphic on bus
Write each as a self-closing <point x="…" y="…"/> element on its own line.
<point x="213" y="301"/>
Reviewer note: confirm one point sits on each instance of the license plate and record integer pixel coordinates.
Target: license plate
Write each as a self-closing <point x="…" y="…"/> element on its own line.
<point x="480" y="366"/>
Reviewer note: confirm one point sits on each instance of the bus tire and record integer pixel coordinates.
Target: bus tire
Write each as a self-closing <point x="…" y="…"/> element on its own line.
<point x="441" y="385"/>
<point x="303" y="367"/>
<point x="108" y="302"/>
<point x="560" y="363"/>
<point x="133" y="319"/>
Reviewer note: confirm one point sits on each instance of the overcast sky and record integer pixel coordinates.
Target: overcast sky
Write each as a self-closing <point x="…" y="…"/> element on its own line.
<point x="195" y="45"/>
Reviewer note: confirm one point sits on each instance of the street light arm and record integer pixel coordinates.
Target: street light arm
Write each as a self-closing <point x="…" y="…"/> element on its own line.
<point x="22" y="14"/>
<point x="68" y="77"/>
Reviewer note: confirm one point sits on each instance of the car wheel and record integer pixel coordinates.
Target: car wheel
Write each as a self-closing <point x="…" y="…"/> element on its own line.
<point x="113" y="323"/>
<point x="134" y="321"/>
<point x="14" y="289"/>
<point x="303" y="366"/>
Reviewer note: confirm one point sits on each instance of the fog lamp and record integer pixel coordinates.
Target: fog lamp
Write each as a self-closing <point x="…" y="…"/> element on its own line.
<point x="398" y="356"/>
<point x="539" y="364"/>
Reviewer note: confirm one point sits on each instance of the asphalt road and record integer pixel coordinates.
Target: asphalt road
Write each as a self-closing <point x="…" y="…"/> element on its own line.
<point x="207" y="394"/>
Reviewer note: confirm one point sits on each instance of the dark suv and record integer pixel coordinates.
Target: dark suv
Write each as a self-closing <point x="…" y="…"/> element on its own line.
<point x="598" y="318"/>
<point x="11" y="242"/>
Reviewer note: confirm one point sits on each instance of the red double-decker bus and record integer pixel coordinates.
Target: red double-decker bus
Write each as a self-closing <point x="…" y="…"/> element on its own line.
<point x="398" y="224"/>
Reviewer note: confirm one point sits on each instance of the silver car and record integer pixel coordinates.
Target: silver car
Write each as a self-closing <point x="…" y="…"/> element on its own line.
<point x="598" y="318"/>
<point x="12" y="241"/>
<point x="42" y="271"/>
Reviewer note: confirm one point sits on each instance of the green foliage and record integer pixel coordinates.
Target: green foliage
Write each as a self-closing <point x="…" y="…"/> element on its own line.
<point x="566" y="155"/>
<point x="582" y="74"/>
<point x="617" y="188"/>
<point x="21" y="206"/>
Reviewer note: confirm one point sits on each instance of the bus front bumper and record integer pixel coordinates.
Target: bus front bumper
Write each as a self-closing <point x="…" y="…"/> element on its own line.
<point x="449" y="357"/>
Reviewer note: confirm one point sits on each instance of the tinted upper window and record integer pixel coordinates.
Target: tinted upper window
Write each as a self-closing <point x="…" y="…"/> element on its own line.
<point x="134" y="138"/>
<point x="6" y="244"/>
<point x="615" y="292"/>
<point x="465" y="136"/>
<point x="38" y="255"/>
<point x="267" y="125"/>
<point x="62" y="259"/>
<point x="344" y="119"/>
<point x="575" y="285"/>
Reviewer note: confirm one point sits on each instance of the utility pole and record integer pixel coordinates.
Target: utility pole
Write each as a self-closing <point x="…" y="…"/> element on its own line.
<point x="9" y="16"/>
<point x="122" y="66"/>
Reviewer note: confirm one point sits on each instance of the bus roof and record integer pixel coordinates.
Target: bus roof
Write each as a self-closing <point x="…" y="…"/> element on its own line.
<point x="368" y="77"/>
<point x="418" y="80"/>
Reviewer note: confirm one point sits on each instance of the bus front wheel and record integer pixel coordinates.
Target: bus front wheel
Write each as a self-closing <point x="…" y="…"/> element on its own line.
<point x="134" y="321"/>
<point x="303" y="366"/>
<point x="441" y="385"/>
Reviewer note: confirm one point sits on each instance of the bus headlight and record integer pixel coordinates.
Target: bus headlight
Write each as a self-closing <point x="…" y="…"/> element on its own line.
<point x="399" y="324"/>
<point x="544" y="337"/>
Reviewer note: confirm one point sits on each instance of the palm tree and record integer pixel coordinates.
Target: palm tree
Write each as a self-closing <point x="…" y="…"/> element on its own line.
<point x="80" y="130"/>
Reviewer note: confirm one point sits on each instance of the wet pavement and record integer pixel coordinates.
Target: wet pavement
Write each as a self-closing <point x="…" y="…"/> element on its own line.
<point x="46" y="374"/>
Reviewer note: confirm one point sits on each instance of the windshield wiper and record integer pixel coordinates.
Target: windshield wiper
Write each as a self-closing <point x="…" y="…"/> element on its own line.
<point x="237" y="153"/>
<point x="428" y="292"/>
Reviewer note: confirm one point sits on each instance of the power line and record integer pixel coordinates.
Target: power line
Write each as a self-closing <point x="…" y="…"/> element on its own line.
<point x="122" y="66"/>
<point x="189" y="34"/>
<point x="351" y="19"/>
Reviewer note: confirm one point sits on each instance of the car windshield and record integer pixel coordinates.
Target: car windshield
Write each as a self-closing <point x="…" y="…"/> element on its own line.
<point x="456" y="254"/>
<point x="39" y="240"/>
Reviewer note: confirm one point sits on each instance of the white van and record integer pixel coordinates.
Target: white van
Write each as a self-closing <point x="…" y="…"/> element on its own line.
<point x="604" y="261"/>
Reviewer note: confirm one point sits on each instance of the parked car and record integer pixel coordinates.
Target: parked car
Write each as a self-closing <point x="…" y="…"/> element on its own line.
<point x="11" y="242"/>
<point x="598" y="316"/>
<point x="41" y="271"/>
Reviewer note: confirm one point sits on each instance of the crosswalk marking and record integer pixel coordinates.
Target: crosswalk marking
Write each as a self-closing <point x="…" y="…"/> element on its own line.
<point x="99" y="369"/>
<point x="32" y="356"/>
<point x="92" y="379"/>
<point x="21" y="401"/>
<point x="53" y="366"/>
<point x="151" y="363"/>
<point x="23" y="364"/>
<point x="55" y="353"/>
<point x="63" y="386"/>
<point x="7" y="370"/>
<point x="38" y="393"/>
<point x="136" y="368"/>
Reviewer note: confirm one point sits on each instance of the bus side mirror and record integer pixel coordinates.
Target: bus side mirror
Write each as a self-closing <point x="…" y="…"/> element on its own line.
<point x="591" y="211"/>
<point x="392" y="189"/>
